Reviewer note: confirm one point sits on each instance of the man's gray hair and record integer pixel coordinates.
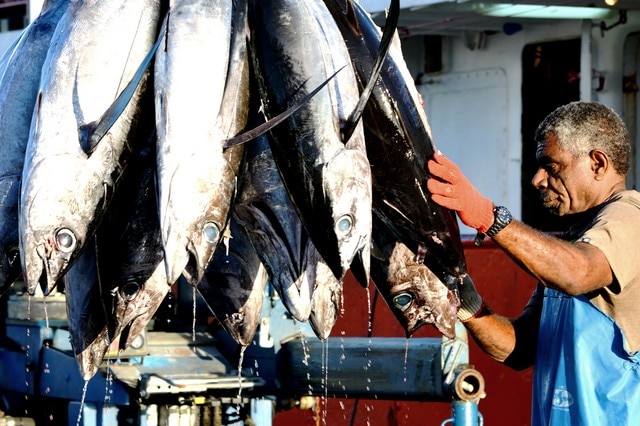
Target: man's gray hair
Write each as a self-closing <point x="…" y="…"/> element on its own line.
<point x="584" y="126"/>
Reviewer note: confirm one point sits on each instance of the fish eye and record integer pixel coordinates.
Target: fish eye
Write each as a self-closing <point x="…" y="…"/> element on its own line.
<point x="129" y="290"/>
<point x="65" y="240"/>
<point x="211" y="232"/>
<point x="344" y="224"/>
<point x="402" y="301"/>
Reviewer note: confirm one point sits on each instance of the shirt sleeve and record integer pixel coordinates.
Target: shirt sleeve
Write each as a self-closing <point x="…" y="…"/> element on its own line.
<point x="616" y="232"/>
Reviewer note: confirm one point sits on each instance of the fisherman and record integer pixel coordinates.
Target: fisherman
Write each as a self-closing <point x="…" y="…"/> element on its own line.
<point x="581" y="328"/>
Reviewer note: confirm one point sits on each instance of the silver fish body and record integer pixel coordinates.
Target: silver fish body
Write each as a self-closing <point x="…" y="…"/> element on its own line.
<point x="198" y="68"/>
<point x="67" y="184"/>
<point x="296" y="47"/>
<point x="399" y="142"/>
<point x="18" y="92"/>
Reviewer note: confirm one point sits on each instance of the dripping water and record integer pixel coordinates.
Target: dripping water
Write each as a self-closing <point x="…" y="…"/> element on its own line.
<point x="84" y="394"/>
<point x="325" y="372"/>
<point x="406" y="358"/>
<point x="46" y="314"/>
<point x="108" y="384"/>
<point x="370" y="316"/>
<point x="27" y="354"/>
<point x="305" y="358"/>
<point x="193" y="323"/>
<point x="240" y="361"/>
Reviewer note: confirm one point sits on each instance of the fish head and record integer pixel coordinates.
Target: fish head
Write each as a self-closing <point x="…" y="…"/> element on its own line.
<point x="347" y="187"/>
<point x="135" y="302"/>
<point x="195" y="212"/>
<point x="233" y="286"/>
<point x="47" y="253"/>
<point x="57" y="215"/>
<point x="250" y="312"/>
<point x="237" y="307"/>
<point x="327" y="301"/>
<point x="189" y="250"/>
<point x="417" y="296"/>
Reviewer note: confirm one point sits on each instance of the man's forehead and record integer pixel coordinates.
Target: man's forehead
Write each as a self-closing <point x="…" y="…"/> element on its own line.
<point x="548" y="147"/>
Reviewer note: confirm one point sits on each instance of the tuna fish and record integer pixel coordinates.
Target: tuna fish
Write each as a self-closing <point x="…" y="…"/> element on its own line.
<point x="83" y="130"/>
<point x="296" y="47"/>
<point x="399" y="141"/>
<point x="201" y="81"/>
<point x="18" y="92"/>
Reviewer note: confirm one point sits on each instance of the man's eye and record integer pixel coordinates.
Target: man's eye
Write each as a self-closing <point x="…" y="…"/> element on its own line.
<point x="552" y="169"/>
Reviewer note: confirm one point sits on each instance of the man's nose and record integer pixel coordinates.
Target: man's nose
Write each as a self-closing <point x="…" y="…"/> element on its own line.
<point x="539" y="179"/>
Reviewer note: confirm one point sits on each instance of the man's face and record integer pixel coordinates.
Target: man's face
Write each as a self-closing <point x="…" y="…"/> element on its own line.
<point x="564" y="182"/>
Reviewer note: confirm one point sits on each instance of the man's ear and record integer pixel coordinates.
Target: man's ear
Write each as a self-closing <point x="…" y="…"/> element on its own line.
<point x="600" y="163"/>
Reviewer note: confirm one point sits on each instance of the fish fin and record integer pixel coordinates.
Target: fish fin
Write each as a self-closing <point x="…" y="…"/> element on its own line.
<point x="92" y="133"/>
<point x="385" y="43"/>
<point x="237" y="76"/>
<point x="273" y="122"/>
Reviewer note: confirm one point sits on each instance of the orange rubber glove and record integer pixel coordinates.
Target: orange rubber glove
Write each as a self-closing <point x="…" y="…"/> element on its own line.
<point x="453" y="190"/>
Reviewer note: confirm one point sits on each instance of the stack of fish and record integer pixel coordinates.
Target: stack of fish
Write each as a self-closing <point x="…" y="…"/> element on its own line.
<point x="235" y="143"/>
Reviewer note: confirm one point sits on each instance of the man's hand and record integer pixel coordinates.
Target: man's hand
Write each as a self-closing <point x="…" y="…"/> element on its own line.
<point x="470" y="300"/>
<point x="451" y="189"/>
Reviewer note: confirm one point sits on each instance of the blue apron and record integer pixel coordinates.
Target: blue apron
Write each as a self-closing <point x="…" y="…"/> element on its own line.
<point x="582" y="374"/>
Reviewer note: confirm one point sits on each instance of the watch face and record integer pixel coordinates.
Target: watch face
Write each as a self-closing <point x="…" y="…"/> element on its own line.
<point x="503" y="215"/>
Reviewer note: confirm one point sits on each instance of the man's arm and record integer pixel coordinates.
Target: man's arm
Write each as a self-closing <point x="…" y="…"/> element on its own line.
<point x="573" y="268"/>
<point x="510" y="341"/>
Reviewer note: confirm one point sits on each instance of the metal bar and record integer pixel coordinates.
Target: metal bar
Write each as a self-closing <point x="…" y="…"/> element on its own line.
<point x="380" y="368"/>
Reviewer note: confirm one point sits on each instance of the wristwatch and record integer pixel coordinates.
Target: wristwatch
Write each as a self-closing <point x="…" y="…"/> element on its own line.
<point x="501" y="218"/>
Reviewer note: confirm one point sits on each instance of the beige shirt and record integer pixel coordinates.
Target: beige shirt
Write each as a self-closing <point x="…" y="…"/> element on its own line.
<point x="616" y="232"/>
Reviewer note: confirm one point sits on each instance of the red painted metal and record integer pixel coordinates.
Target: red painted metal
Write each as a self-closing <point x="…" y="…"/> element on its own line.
<point x="505" y="287"/>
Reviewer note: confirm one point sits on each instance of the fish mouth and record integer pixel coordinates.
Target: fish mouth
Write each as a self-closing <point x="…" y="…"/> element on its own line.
<point x="43" y="265"/>
<point x="37" y="273"/>
<point x="195" y="267"/>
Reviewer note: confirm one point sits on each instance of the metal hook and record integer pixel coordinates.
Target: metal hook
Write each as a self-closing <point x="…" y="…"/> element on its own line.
<point x="621" y="20"/>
